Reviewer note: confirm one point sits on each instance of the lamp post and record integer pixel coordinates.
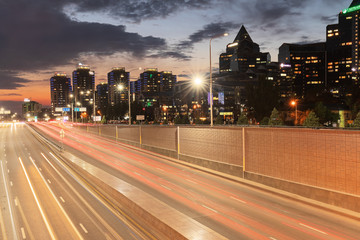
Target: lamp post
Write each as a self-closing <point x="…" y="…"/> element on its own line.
<point x="294" y="104"/>
<point x="72" y="107"/>
<point x="211" y="90"/>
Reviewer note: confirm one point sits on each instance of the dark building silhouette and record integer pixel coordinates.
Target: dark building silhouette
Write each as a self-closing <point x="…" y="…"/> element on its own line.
<point x="102" y="97"/>
<point x="307" y="62"/>
<point x="118" y="83"/>
<point x="342" y="43"/>
<point x="242" y="55"/>
<point x="60" y="90"/>
<point x="84" y="87"/>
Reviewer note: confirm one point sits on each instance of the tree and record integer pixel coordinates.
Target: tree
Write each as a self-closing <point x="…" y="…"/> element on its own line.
<point x="265" y="121"/>
<point x="312" y="120"/>
<point x="324" y="114"/>
<point x="243" y="120"/>
<point x="219" y="120"/>
<point x="275" y="119"/>
<point x="262" y="97"/>
<point x="357" y="121"/>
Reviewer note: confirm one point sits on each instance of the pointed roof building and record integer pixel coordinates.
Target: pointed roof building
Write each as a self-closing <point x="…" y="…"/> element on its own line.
<point x="354" y="3"/>
<point x="243" y="35"/>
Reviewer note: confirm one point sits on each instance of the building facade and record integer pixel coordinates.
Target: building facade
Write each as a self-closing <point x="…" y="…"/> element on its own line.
<point x="102" y="98"/>
<point x="342" y="41"/>
<point x="84" y="87"/>
<point x="60" y="90"/>
<point x="118" y="84"/>
<point x="307" y="62"/>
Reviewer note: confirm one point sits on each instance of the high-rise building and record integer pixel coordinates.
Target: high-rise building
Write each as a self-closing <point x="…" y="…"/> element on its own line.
<point x="118" y="83"/>
<point x="60" y="89"/>
<point x="84" y="86"/>
<point x="102" y="100"/>
<point x="243" y="55"/>
<point x="307" y="62"/>
<point x="31" y="109"/>
<point x="343" y="63"/>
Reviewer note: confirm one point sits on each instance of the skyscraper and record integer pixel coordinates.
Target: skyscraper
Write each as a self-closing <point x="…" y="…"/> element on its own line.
<point x="84" y="86"/>
<point x="60" y="89"/>
<point x="307" y="62"/>
<point x="243" y="55"/>
<point x="343" y="63"/>
<point x="118" y="83"/>
<point x="102" y="99"/>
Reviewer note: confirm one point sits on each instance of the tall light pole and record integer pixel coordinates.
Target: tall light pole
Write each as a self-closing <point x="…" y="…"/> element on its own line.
<point x="294" y="104"/>
<point x="211" y="90"/>
<point x="129" y="94"/>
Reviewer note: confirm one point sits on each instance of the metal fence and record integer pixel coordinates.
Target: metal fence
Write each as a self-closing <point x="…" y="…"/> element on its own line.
<point x="322" y="158"/>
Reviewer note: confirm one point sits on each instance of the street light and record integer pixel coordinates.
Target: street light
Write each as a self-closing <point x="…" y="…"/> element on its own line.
<point x="211" y="92"/>
<point x="122" y="87"/>
<point x="294" y="104"/>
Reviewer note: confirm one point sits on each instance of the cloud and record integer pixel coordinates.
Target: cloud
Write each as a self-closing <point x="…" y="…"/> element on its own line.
<point x="11" y="94"/>
<point x="42" y="37"/>
<point x="206" y="33"/>
<point x="136" y="10"/>
<point x="171" y="54"/>
<point x="329" y="19"/>
<point x="10" y="80"/>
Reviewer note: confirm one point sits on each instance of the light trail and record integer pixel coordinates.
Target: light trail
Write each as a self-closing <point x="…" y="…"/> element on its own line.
<point x="52" y="235"/>
<point x="9" y="204"/>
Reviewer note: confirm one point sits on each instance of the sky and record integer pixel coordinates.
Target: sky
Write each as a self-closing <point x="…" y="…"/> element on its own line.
<point x="41" y="37"/>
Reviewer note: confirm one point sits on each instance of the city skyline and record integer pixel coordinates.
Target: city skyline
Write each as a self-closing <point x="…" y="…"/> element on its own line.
<point x="148" y="38"/>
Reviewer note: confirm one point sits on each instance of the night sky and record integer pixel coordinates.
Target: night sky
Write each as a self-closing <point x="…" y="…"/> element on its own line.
<point x="41" y="37"/>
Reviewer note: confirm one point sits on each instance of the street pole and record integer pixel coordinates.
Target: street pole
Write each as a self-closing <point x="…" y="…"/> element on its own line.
<point x="129" y="103"/>
<point x="94" y="112"/>
<point x="72" y="112"/>
<point x="211" y="83"/>
<point x="211" y="92"/>
<point x="295" y="114"/>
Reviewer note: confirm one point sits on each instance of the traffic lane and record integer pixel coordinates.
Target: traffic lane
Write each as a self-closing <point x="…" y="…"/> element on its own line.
<point x="306" y="229"/>
<point x="27" y="216"/>
<point x="300" y="224"/>
<point x="53" y="216"/>
<point x="96" y="219"/>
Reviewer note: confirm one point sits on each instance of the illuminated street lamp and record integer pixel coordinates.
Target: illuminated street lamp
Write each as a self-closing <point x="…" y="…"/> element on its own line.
<point x="294" y="104"/>
<point x="198" y="81"/>
<point x="211" y="91"/>
<point x="121" y="88"/>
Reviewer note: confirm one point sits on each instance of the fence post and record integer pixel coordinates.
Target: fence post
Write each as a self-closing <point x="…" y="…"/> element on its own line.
<point x="140" y="136"/>
<point x="243" y="150"/>
<point x="99" y="131"/>
<point x="178" y="141"/>
<point x="116" y="133"/>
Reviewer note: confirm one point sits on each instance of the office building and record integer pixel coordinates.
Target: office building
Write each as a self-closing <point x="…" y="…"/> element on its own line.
<point x="118" y="84"/>
<point x="102" y="98"/>
<point x="60" y="90"/>
<point x="307" y="62"/>
<point x="342" y="41"/>
<point x="84" y="87"/>
<point x="243" y="55"/>
<point x="31" y="109"/>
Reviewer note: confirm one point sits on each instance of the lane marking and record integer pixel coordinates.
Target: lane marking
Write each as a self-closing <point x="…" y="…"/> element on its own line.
<point x="49" y="181"/>
<point x="11" y="183"/>
<point x="272" y="238"/>
<point x="16" y="202"/>
<point x="237" y="199"/>
<point x="57" y="201"/>
<point x="304" y="225"/>
<point x="210" y="208"/>
<point x="40" y="169"/>
<point x="190" y="181"/>
<point x="8" y="170"/>
<point x="23" y="233"/>
<point x="166" y="187"/>
<point x="83" y="228"/>
<point x="137" y="173"/>
<point x="160" y="169"/>
<point x="9" y="205"/>
<point x="61" y="198"/>
<point x="37" y="202"/>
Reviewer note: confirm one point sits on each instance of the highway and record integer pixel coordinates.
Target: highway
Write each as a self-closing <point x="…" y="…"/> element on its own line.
<point x="41" y="199"/>
<point x="234" y="210"/>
